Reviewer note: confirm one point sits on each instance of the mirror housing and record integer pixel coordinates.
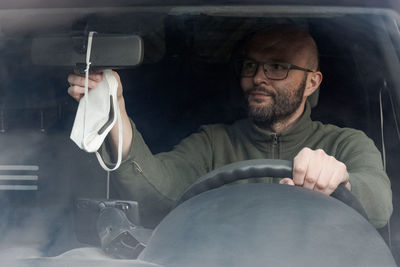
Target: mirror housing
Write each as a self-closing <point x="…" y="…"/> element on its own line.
<point x="114" y="51"/>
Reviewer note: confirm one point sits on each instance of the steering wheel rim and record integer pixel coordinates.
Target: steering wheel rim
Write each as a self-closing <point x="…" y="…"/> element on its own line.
<point x="258" y="168"/>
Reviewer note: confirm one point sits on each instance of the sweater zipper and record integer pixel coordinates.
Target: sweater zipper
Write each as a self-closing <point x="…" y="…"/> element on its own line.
<point x="275" y="147"/>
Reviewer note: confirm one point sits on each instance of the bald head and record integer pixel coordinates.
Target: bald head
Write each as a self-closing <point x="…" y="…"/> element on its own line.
<point x="285" y="43"/>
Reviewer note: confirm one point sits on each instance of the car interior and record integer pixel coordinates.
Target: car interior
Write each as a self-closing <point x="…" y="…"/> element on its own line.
<point x="186" y="80"/>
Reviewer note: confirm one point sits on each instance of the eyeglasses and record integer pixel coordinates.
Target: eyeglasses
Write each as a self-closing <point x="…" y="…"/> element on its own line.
<point x="272" y="70"/>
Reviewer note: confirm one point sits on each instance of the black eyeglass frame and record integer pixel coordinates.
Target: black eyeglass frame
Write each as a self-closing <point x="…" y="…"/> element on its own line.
<point x="289" y="67"/>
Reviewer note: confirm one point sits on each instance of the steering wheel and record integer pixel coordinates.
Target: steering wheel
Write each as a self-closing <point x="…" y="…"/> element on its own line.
<point x="256" y="169"/>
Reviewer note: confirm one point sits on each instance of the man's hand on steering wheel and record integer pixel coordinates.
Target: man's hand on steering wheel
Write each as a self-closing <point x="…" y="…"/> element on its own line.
<point x="315" y="170"/>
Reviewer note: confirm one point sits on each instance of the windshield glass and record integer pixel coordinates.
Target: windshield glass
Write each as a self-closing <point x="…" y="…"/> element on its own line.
<point x="185" y="78"/>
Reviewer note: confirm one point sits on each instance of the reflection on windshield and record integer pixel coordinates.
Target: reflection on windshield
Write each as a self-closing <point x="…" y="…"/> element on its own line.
<point x="187" y="79"/>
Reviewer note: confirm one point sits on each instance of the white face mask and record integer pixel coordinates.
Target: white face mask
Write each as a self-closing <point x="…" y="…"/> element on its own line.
<point x="97" y="113"/>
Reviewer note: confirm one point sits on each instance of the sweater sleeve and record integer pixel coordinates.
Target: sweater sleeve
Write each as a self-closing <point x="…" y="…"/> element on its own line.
<point x="369" y="182"/>
<point x="157" y="181"/>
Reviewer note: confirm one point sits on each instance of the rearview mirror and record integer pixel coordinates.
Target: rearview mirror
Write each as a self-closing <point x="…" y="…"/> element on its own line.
<point x="108" y="51"/>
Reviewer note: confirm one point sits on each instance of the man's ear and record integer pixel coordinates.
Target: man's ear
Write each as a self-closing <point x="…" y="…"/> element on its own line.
<point x="313" y="82"/>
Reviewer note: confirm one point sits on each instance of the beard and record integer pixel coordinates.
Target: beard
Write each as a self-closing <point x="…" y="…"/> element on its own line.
<point x="285" y="102"/>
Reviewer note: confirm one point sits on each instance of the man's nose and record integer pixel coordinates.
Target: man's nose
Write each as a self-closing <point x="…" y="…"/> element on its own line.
<point x="259" y="76"/>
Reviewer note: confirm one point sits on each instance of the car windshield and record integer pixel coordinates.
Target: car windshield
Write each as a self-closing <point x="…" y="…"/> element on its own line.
<point x="185" y="79"/>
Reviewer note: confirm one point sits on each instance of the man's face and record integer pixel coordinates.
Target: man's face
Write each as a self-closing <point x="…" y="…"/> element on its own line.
<point x="271" y="101"/>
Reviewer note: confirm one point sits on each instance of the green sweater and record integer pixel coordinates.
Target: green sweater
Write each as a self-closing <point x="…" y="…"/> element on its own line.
<point x="156" y="181"/>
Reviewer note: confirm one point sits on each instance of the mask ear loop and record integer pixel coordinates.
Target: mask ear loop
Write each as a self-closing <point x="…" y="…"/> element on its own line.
<point x="119" y="158"/>
<point x="88" y="63"/>
<point x="114" y="104"/>
<point x="86" y="95"/>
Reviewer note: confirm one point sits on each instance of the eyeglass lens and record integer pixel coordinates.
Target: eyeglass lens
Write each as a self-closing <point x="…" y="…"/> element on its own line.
<point x="271" y="70"/>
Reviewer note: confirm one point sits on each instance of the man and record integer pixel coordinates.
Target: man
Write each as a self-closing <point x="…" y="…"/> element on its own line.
<point x="279" y="70"/>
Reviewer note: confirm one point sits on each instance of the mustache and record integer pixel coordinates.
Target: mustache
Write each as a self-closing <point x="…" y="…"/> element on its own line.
<point x="260" y="89"/>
